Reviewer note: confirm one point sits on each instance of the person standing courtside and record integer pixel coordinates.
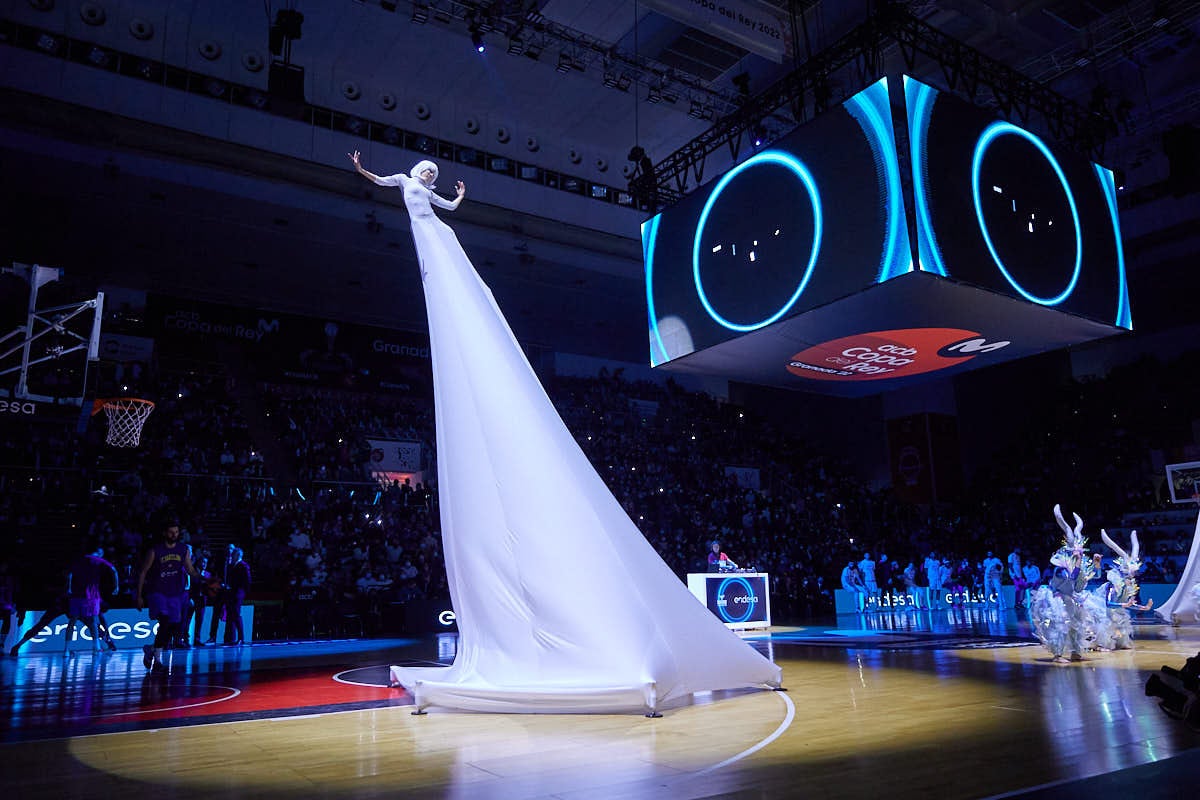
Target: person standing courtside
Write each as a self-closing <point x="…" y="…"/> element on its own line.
<point x="933" y="581"/>
<point x="203" y="593"/>
<point x="993" y="570"/>
<point x="867" y="568"/>
<point x="167" y="565"/>
<point x="237" y="583"/>
<point x="885" y="578"/>
<point x="1016" y="574"/>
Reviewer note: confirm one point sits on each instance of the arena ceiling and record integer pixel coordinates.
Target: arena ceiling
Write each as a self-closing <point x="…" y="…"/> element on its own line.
<point x="118" y="199"/>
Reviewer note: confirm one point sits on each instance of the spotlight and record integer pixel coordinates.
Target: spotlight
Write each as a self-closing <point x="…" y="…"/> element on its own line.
<point x="1176" y="691"/>
<point x="533" y="51"/>
<point x="564" y="63"/>
<point x="624" y="82"/>
<point x="696" y="111"/>
<point x="610" y="79"/>
<point x="515" y="46"/>
<point x="477" y="40"/>
<point x="760" y="135"/>
<point x="1119" y="178"/>
<point x="654" y="96"/>
<point x="420" y="13"/>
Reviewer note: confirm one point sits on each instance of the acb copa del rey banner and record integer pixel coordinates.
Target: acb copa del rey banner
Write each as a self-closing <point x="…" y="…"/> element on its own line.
<point x="294" y="349"/>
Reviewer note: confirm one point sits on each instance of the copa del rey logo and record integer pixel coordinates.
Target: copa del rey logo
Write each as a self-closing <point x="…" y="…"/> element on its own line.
<point x="890" y="354"/>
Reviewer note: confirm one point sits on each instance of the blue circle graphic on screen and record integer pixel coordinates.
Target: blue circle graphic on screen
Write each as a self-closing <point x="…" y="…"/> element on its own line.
<point x="797" y="169"/>
<point x="986" y="139"/>
<point x="750" y="603"/>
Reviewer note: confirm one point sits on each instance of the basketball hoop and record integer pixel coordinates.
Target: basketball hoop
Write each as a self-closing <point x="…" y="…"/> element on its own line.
<point x="125" y="418"/>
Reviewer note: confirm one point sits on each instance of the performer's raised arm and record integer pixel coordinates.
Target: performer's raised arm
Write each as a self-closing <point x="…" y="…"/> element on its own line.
<point x="461" y="191"/>
<point x="356" y="158"/>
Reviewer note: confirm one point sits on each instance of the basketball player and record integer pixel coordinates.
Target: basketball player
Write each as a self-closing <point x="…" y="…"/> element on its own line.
<point x="167" y="564"/>
<point x="85" y="585"/>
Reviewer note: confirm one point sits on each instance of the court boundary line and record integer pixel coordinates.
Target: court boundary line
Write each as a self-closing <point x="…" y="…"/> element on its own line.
<point x="337" y="676"/>
<point x="236" y="693"/>
<point x="779" y="731"/>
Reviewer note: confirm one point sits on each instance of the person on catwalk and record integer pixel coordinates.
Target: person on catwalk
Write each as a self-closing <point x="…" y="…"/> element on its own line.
<point x="525" y="520"/>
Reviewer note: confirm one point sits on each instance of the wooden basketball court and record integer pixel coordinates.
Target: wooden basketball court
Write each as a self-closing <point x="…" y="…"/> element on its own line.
<point x="884" y="705"/>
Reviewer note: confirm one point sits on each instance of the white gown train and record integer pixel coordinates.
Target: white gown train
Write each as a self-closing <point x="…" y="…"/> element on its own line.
<point x="562" y="604"/>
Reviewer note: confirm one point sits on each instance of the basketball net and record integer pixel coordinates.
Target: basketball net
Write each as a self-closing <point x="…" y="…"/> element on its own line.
<point x="126" y="415"/>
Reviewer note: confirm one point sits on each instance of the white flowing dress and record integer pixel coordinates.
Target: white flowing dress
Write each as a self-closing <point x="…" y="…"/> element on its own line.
<point x="562" y="604"/>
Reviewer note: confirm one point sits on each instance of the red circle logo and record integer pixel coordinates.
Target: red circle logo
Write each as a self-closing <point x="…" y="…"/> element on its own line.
<point x="889" y="354"/>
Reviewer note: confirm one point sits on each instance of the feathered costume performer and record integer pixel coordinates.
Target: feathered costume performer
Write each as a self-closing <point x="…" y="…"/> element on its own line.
<point x="1060" y="620"/>
<point x="1121" y="595"/>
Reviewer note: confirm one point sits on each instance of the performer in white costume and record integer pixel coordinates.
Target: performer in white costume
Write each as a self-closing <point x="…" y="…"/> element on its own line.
<point x="562" y="604"/>
<point x="1184" y="603"/>
<point x="1120" y="594"/>
<point x="1056" y="612"/>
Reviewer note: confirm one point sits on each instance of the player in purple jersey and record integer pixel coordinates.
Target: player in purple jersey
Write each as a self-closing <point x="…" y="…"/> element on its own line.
<point x="167" y="565"/>
<point x="85" y="586"/>
<point x="8" y="599"/>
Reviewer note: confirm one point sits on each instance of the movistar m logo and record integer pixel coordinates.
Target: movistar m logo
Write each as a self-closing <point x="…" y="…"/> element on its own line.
<point x="971" y="346"/>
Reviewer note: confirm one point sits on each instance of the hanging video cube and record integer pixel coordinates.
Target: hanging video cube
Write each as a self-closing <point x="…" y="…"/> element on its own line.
<point x="795" y="267"/>
<point x="999" y="207"/>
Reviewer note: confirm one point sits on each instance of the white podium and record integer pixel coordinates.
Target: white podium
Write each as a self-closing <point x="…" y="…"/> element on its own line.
<point x="741" y="600"/>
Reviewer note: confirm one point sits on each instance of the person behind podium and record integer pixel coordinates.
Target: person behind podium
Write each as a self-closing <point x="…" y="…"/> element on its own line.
<point x="718" y="561"/>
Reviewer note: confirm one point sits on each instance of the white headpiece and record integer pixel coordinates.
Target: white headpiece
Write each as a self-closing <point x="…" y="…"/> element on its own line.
<point x="1127" y="563"/>
<point x="1073" y="544"/>
<point x="420" y="167"/>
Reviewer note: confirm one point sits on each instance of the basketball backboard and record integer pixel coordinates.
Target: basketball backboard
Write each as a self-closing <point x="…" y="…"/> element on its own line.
<point x="47" y="347"/>
<point x="1183" y="481"/>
